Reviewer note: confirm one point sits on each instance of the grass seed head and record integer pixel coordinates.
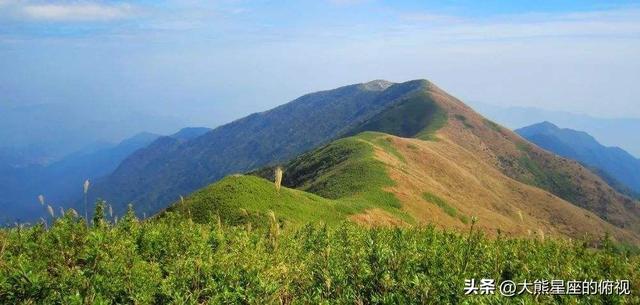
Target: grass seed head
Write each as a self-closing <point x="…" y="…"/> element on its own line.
<point x="218" y="222"/>
<point x="50" y="209"/>
<point x="85" y="186"/>
<point x="274" y="226"/>
<point x="541" y="232"/>
<point x="41" y="199"/>
<point x="278" y="178"/>
<point x="274" y="230"/>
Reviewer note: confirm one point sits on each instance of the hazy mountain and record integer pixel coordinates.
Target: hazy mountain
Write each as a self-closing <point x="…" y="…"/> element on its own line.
<point x="617" y="165"/>
<point x="427" y="158"/>
<point x="189" y="133"/>
<point x="45" y="133"/>
<point x="61" y="181"/>
<point x="22" y="156"/>
<point x="622" y="132"/>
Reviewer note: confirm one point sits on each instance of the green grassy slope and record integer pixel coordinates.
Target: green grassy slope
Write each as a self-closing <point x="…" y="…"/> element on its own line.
<point x="238" y="199"/>
<point x="417" y="116"/>
<point x="345" y="168"/>
<point x="327" y="184"/>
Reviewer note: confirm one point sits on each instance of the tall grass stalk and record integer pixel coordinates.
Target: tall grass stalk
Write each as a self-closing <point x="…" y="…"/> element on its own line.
<point x="541" y="233"/>
<point x="470" y="244"/>
<point x="274" y="231"/>
<point x="85" y="188"/>
<point x="278" y="178"/>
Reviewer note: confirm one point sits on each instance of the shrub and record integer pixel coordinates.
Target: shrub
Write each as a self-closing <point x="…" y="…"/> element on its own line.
<point x="174" y="260"/>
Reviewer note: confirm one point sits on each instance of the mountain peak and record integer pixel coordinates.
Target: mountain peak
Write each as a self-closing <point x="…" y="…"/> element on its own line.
<point x="545" y="127"/>
<point x="377" y="85"/>
<point x="547" y="124"/>
<point x="549" y="128"/>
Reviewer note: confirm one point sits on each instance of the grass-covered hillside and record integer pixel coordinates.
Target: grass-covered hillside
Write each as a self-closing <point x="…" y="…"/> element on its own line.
<point x="328" y="185"/>
<point x="241" y="199"/>
<point x="173" y="260"/>
<point x="417" y="116"/>
<point x="377" y="179"/>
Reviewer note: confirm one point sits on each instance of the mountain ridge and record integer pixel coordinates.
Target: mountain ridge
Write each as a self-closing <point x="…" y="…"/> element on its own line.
<point x="411" y="190"/>
<point x="155" y="179"/>
<point x="609" y="131"/>
<point x="580" y="146"/>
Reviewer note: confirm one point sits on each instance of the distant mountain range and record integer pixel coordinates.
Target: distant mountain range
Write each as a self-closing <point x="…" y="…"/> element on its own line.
<point x="41" y="134"/>
<point x="61" y="181"/>
<point x="622" y="132"/>
<point x="615" y="165"/>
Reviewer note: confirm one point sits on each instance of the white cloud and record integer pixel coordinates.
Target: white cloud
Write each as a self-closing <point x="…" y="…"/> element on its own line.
<point x="605" y="23"/>
<point x="78" y="11"/>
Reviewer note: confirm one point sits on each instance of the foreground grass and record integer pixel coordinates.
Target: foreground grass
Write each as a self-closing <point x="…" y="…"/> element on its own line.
<point x="172" y="260"/>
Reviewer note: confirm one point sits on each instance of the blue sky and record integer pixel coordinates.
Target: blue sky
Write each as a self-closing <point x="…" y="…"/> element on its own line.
<point x="212" y="61"/>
